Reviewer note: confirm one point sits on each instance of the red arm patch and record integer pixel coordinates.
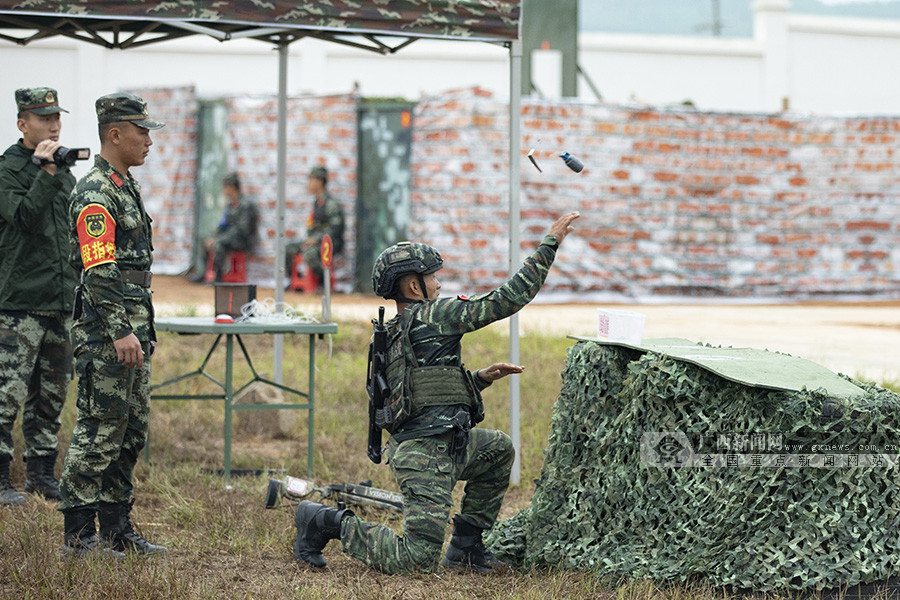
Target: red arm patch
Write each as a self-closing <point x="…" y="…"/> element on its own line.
<point x="96" y="236"/>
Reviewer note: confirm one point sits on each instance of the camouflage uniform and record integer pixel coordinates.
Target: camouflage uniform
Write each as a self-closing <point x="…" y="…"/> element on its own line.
<point x="36" y="291"/>
<point x="237" y="232"/>
<point x="111" y="240"/>
<point x="421" y="452"/>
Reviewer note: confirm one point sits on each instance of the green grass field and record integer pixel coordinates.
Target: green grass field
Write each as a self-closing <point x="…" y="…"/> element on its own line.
<point x="222" y="542"/>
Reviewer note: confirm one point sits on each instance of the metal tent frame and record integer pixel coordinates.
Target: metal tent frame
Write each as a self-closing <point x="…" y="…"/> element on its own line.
<point x="141" y="23"/>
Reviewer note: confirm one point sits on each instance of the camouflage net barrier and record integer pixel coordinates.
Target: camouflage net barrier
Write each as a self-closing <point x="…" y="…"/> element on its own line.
<point x="625" y="490"/>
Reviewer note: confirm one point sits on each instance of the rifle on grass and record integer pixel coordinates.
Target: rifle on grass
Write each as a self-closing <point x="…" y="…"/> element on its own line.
<point x="361" y="494"/>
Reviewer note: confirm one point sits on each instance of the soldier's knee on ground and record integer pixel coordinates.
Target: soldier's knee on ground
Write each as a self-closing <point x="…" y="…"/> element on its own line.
<point x="425" y="558"/>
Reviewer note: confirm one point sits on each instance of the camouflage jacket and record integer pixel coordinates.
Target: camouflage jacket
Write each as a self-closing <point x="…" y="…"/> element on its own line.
<point x="238" y="226"/>
<point x="327" y="216"/>
<point x="110" y="232"/>
<point x="437" y="327"/>
<point x="34" y="234"/>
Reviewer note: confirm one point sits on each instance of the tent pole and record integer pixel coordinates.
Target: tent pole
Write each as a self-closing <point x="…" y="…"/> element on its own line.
<point x="515" y="142"/>
<point x="281" y="169"/>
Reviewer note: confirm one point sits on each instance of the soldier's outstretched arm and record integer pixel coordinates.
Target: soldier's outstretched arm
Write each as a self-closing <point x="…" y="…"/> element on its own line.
<point x="452" y="315"/>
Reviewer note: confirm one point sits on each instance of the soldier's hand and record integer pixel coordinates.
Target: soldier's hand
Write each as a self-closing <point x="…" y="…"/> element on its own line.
<point x="45" y="150"/>
<point x="563" y="226"/>
<point x="129" y="351"/>
<point x="498" y="371"/>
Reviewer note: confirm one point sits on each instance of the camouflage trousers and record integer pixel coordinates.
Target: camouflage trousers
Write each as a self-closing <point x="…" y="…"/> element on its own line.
<point x="35" y="370"/>
<point x="426" y="473"/>
<point x="113" y="416"/>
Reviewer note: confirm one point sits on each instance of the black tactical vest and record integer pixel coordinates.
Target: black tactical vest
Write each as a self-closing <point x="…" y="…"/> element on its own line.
<point x="413" y="388"/>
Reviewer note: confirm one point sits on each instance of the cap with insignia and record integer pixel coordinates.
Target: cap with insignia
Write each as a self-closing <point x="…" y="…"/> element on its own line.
<point x="39" y="100"/>
<point x="121" y="106"/>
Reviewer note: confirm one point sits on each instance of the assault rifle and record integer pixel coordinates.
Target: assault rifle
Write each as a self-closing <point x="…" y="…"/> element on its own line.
<point x="376" y="384"/>
<point x="362" y="494"/>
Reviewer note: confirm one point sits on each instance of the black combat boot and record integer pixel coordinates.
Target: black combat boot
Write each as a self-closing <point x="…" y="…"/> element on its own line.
<point x="118" y="533"/>
<point x="39" y="477"/>
<point x="8" y="494"/>
<point x="316" y="524"/>
<point x="81" y="537"/>
<point x="467" y="551"/>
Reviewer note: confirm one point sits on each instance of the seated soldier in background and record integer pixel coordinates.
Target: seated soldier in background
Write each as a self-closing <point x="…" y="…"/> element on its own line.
<point x="236" y="231"/>
<point x="326" y="217"/>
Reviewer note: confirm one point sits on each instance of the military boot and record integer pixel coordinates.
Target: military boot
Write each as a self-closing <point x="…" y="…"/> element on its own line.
<point x="80" y="538"/>
<point x="39" y="477"/>
<point x="466" y="550"/>
<point x="117" y="531"/>
<point x="316" y="525"/>
<point x="8" y="494"/>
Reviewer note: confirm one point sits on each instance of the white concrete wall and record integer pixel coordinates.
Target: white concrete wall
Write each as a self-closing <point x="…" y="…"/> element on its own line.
<point x="819" y="64"/>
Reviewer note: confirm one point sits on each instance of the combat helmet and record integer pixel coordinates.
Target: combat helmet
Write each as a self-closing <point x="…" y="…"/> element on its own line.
<point x="401" y="259"/>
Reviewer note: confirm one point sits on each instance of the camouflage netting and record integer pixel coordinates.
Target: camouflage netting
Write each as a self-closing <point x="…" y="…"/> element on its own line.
<point x="599" y="507"/>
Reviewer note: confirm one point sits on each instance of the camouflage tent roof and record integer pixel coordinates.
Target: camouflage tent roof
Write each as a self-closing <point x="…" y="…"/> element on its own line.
<point x="124" y="23"/>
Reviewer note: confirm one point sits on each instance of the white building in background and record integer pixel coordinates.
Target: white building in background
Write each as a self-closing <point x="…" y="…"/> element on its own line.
<point x="813" y="64"/>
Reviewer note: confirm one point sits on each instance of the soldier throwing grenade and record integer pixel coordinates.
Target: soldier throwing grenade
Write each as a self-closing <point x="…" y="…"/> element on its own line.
<point x="432" y="443"/>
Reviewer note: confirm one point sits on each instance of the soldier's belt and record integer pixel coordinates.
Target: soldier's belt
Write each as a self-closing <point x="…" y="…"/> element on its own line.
<point x="141" y="278"/>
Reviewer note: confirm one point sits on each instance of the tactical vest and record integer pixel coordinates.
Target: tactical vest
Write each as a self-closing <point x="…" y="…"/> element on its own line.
<point x="413" y="388"/>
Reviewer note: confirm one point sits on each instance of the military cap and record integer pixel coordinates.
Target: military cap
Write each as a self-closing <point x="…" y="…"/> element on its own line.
<point x="320" y="173"/>
<point x="39" y="100"/>
<point x="232" y="179"/>
<point x="121" y="106"/>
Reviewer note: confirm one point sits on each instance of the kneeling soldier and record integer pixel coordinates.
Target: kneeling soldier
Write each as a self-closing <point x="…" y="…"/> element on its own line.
<point x="433" y="443"/>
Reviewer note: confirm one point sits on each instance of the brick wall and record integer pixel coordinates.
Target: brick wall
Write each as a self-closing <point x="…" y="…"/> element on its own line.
<point x="674" y="202"/>
<point x="167" y="176"/>
<point x="321" y="131"/>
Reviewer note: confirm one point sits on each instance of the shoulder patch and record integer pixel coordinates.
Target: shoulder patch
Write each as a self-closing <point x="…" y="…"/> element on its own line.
<point x="96" y="235"/>
<point x="116" y="179"/>
<point x="461" y="297"/>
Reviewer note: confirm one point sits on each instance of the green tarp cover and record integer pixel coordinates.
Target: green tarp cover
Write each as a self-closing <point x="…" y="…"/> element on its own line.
<point x="749" y="366"/>
<point x="475" y="19"/>
<point x="806" y="496"/>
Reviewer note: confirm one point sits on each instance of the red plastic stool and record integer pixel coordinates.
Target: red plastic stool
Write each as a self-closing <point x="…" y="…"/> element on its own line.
<point x="307" y="283"/>
<point x="235" y="268"/>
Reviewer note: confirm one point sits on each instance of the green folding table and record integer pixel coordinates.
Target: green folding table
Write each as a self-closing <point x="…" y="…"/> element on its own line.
<point x="232" y="333"/>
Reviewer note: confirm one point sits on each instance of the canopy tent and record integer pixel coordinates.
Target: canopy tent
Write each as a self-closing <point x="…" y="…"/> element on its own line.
<point x="383" y="26"/>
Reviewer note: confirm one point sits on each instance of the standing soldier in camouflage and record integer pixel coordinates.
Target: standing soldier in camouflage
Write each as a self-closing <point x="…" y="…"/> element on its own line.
<point x="36" y="290"/>
<point x="113" y="335"/>
<point x="434" y="403"/>
<point x="237" y="230"/>
<point x="326" y="216"/>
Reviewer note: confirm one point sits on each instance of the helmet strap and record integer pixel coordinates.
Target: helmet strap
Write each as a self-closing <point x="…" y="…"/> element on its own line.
<point x="422" y="283"/>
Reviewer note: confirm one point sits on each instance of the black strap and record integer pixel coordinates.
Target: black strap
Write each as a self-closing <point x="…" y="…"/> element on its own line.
<point x="141" y="278"/>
